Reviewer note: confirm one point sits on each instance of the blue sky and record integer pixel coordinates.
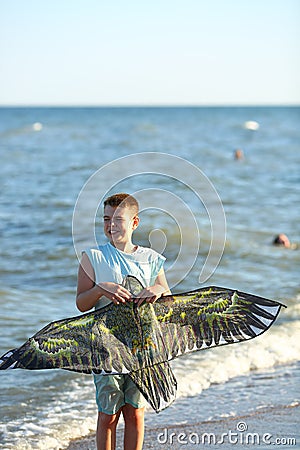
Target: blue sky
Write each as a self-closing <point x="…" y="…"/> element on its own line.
<point x="117" y="52"/>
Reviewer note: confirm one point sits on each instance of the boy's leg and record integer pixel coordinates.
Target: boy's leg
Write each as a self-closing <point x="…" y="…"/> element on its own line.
<point x="134" y="427"/>
<point x="106" y="430"/>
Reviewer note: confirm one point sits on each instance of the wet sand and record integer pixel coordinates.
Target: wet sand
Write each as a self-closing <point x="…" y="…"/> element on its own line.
<point x="265" y="429"/>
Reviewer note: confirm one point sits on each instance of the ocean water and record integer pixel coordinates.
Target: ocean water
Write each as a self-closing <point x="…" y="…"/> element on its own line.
<point x="179" y="162"/>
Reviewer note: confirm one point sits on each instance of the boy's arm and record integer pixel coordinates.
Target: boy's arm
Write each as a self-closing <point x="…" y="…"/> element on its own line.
<point x="162" y="281"/>
<point x="88" y="293"/>
<point x="152" y="293"/>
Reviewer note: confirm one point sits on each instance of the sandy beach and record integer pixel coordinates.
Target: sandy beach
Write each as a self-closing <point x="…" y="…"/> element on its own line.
<point x="278" y="427"/>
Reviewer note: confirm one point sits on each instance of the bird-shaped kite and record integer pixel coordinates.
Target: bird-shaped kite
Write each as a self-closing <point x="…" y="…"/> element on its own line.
<point x="141" y="340"/>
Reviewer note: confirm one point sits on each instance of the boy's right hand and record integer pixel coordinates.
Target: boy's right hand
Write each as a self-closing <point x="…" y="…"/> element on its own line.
<point x="115" y="292"/>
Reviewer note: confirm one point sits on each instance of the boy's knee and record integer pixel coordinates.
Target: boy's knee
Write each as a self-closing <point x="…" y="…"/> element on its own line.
<point x="133" y="415"/>
<point x="107" y="420"/>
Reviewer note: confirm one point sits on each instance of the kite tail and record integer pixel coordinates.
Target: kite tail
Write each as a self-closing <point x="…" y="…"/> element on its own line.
<point x="157" y="384"/>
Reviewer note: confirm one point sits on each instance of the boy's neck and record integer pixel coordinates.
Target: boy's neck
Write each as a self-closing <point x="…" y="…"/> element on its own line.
<point x="127" y="247"/>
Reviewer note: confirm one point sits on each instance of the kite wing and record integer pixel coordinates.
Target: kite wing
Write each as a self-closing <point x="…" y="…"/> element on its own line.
<point x="110" y="340"/>
<point x="141" y="340"/>
<point x="210" y="317"/>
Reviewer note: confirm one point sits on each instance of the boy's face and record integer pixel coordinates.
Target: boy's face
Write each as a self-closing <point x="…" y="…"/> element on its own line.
<point x="119" y="224"/>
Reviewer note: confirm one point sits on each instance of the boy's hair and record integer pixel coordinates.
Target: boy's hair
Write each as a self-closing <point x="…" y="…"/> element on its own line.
<point x="123" y="201"/>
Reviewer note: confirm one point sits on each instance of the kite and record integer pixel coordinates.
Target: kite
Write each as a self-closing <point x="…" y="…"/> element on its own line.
<point x="141" y="340"/>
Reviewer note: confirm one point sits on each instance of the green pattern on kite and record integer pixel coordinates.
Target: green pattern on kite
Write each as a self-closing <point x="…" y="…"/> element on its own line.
<point x="141" y="340"/>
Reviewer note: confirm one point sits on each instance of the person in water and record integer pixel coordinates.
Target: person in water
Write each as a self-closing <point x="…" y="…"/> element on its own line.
<point x="239" y="154"/>
<point x="100" y="276"/>
<point x="282" y="240"/>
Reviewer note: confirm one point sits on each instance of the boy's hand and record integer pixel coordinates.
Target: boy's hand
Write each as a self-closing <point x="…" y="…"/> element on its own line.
<point x="115" y="292"/>
<point x="150" y="294"/>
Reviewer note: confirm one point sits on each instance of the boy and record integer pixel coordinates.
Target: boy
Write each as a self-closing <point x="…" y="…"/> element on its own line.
<point x="101" y="273"/>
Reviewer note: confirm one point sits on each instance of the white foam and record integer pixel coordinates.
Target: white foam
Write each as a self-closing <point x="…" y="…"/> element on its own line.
<point x="37" y="126"/>
<point x="197" y="372"/>
<point x="72" y="416"/>
<point x="251" y="125"/>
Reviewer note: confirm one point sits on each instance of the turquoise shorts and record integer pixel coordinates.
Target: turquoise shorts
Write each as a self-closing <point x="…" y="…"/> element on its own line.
<point x="113" y="391"/>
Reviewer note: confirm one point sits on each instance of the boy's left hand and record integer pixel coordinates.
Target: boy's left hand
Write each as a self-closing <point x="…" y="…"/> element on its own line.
<point x="150" y="294"/>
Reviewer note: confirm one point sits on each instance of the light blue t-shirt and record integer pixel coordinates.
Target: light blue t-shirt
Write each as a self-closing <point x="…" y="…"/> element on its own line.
<point x="111" y="264"/>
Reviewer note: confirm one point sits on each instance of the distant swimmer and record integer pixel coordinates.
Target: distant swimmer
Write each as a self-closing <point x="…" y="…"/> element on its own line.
<point x="239" y="154"/>
<point x="283" y="241"/>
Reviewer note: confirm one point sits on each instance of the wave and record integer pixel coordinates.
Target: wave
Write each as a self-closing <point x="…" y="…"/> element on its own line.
<point x="280" y="345"/>
<point x="70" y="414"/>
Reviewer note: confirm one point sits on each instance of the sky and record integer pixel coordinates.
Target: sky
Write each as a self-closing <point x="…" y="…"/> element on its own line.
<point x="158" y="52"/>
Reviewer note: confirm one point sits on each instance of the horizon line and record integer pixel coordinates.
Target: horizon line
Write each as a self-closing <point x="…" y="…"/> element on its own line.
<point x="154" y="105"/>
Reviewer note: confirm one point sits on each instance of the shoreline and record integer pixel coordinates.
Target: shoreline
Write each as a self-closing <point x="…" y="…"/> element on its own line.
<point x="275" y="427"/>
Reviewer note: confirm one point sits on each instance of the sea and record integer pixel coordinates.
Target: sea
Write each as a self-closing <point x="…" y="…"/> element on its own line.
<point x="214" y="217"/>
